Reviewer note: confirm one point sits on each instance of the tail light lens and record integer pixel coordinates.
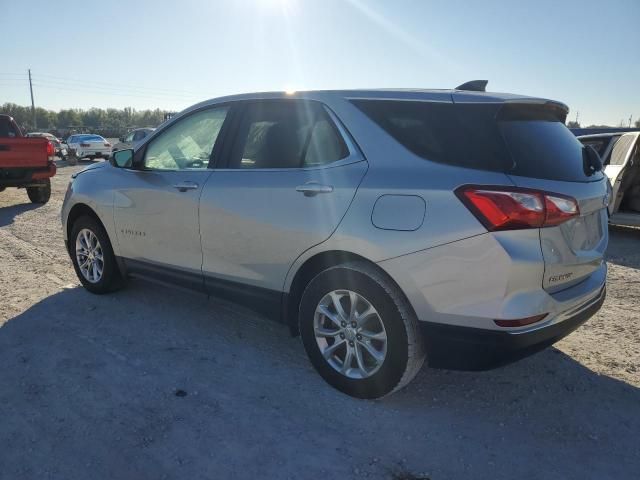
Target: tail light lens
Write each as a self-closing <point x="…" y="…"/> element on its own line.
<point x="512" y="208"/>
<point x="50" y="150"/>
<point x="107" y="144"/>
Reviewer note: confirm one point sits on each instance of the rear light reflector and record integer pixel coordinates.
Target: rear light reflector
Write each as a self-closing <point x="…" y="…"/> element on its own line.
<point x="513" y="208"/>
<point x="520" y="322"/>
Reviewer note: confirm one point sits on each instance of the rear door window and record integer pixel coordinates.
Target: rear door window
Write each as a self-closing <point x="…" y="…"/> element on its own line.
<point x="286" y="134"/>
<point x="517" y="139"/>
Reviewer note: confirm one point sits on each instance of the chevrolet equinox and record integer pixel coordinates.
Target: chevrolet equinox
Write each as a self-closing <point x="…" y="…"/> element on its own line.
<point x="385" y="227"/>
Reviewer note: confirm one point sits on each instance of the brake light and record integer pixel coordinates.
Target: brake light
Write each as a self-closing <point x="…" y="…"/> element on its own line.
<point x="85" y="144"/>
<point x="50" y="150"/>
<point x="559" y="209"/>
<point x="107" y="144"/>
<point x="513" y="208"/>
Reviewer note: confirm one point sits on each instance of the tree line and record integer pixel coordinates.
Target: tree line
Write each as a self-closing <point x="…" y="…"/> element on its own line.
<point x="110" y="122"/>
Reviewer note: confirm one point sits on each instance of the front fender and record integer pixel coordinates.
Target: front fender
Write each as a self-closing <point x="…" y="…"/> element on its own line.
<point x="92" y="189"/>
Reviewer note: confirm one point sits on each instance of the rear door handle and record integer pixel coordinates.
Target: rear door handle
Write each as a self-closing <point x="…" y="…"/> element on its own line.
<point x="184" y="186"/>
<point x="311" y="189"/>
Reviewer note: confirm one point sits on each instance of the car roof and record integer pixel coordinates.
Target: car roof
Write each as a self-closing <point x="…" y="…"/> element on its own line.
<point x="383" y="93"/>
<point x="405" y="94"/>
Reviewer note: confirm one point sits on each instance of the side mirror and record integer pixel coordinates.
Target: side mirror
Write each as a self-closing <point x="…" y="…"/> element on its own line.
<point x="592" y="161"/>
<point x="122" y="159"/>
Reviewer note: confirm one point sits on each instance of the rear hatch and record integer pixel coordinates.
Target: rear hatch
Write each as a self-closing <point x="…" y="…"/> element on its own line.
<point x="548" y="184"/>
<point x="546" y="156"/>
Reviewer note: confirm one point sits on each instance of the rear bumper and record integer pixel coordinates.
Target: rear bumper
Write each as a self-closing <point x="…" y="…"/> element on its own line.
<point x="82" y="153"/>
<point x="24" y="177"/>
<point x="467" y="348"/>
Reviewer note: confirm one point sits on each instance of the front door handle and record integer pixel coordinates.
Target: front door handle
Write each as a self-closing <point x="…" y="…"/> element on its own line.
<point x="311" y="189"/>
<point x="184" y="186"/>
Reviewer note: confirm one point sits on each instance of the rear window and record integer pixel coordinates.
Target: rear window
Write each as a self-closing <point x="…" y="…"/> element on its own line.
<point x="89" y="138"/>
<point x="517" y="139"/>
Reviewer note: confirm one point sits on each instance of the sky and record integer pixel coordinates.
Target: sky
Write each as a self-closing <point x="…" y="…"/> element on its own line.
<point x="170" y="54"/>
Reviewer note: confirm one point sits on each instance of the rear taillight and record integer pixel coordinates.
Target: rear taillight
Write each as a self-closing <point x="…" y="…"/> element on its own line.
<point x="512" y="208"/>
<point x="85" y="144"/>
<point x="107" y="144"/>
<point x="50" y="150"/>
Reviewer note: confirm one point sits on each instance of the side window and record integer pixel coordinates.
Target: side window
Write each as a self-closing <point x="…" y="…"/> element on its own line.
<point x="286" y="134"/>
<point x="188" y="143"/>
<point x="139" y="135"/>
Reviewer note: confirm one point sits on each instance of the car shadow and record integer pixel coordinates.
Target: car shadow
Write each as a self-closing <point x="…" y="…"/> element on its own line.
<point x="9" y="213"/>
<point x="625" y="242"/>
<point x="152" y="382"/>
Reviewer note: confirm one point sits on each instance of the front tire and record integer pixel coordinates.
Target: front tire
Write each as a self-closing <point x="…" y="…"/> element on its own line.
<point x="359" y="331"/>
<point x="40" y="194"/>
<point x="93" y="258"/>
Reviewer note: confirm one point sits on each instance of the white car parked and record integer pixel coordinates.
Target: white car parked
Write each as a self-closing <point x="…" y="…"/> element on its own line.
<point x="89" y="146"/>
<point x="620" y="154"/>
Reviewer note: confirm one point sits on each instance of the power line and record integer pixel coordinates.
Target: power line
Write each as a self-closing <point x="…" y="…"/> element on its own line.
<point x="67" y="80"/>
<point x="114" y="90"/>
<point x="108" y="93"/>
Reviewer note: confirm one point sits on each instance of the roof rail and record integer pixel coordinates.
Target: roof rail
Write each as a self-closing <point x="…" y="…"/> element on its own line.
<point x="474" y="86"/>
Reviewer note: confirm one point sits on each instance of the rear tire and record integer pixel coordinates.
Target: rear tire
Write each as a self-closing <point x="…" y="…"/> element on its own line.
<point x="398" y="349"/>
<point x="40" y="194"/>
<point x="89" y="239"/>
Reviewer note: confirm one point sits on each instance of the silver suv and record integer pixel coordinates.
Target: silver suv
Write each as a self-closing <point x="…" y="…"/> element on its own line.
<point x="384" y="227"/>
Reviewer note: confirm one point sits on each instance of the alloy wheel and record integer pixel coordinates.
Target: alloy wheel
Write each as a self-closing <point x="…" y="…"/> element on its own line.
<point x="350" y="334"/>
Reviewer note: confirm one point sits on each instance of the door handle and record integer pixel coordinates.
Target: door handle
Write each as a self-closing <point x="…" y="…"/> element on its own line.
<point x="184" y="186"/>
<point x="311" y="189"/>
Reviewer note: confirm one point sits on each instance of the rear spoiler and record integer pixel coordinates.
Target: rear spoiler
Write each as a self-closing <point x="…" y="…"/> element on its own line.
<point x="474" y="86"/>
<point x="533" y="108"/>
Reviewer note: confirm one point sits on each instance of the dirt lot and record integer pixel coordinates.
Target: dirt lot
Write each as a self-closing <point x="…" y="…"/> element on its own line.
<point x="88" y="386"/>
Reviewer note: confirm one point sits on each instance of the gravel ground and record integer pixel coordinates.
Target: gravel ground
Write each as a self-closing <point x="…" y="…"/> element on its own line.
<point x="156" y="383"/>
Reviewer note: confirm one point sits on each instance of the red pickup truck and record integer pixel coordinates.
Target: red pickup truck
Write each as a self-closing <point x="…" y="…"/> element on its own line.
<point x="25" y="162"/>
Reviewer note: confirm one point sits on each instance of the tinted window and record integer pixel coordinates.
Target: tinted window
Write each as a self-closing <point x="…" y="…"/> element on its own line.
<point x="188" y="143"/>
<point x="139" y="135"/>
<point x="526" y="140"/>
<point x="286" y="134"/>
<point x="7" y="129"/>
<point x="442" y="132"/>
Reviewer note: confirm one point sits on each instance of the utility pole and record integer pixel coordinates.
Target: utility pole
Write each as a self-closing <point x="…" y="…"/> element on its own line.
<point x="577" y="117"/>
<point x="33" y="105"/>
<point x="630" y="118"/>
